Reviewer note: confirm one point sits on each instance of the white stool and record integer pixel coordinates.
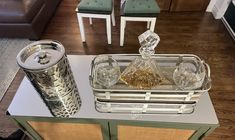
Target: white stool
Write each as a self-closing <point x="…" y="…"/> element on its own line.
<point x="99" y="9"/>
<point x="138" y="10"/>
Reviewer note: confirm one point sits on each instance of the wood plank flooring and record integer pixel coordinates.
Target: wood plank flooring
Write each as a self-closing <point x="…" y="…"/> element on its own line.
<point x="187" y="32"/>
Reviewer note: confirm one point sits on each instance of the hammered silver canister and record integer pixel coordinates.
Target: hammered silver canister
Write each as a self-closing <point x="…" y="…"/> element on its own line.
<point x="47" y="68"/>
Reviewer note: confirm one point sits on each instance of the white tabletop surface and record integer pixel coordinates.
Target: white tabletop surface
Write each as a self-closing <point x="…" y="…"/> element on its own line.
<point x="27" y="102"/>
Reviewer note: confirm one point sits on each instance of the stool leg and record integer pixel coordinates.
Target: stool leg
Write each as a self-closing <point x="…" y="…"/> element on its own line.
<point x="122" y="31"/>
<point x="81" y="27"/>
<point x="90" y="20"/>
<point x="125" y="25"/>
<point x="113" y="18"/>
<point x="152" y="26"/>
<point x="108" y="26"/>
<point x="148" y="24"/>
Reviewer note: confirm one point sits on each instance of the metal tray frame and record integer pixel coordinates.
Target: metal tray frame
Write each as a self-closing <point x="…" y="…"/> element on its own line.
<point x="122" y="94"/>
<point x="148" y="108"/>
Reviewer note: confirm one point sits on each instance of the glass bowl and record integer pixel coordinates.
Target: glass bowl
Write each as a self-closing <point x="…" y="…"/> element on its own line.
<point x="189" y="76"/>
<point x="107" y="70"/>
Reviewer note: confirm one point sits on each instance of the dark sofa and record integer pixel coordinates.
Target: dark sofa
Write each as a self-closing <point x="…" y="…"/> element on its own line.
<point x="25" y="18"/>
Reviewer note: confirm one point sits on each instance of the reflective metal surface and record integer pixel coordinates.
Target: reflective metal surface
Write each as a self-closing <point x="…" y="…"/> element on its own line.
<point x="47" y="67"/>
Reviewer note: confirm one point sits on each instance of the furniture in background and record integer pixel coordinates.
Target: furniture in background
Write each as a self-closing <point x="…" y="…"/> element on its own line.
<point x="188" y="5"/>
<point x="25" y="18"/>
<point x="164" y="4"/>
<point x="29" y="112"/>
<point x="183" y="5"/>
<point x="96" y="9"/>
<point x="219" y="7"/>
<point x="229" y="20"/>
<point x="138" y="10"/>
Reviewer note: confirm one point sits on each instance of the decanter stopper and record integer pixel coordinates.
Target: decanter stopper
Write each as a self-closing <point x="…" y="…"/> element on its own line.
<point x="148" y="41"/>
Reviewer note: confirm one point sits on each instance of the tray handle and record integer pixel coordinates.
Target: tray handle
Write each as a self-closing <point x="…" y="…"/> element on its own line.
<point x="91" y="71"/>
<point x="207" y="67"/>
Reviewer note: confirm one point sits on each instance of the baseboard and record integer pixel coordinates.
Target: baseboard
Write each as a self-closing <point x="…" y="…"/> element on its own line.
<point x="228" y="28"/>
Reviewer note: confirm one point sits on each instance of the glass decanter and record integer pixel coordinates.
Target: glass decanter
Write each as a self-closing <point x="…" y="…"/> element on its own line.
<point x="143" y="72"/>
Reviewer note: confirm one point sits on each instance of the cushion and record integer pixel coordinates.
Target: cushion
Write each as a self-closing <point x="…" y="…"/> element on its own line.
<point x="19" y="11"/>
<point x="140" y="8"/>
<point x="95" y="6"/>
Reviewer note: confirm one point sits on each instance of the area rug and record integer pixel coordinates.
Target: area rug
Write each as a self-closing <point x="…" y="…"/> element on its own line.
<point x="9" y="49"/>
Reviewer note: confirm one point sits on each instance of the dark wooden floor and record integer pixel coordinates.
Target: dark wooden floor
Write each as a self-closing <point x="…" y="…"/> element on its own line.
<point x="196" y="33"/>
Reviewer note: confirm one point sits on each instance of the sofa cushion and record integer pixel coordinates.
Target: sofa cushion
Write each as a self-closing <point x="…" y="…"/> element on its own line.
<point x="147" y="8"/>
<point x="95" y="6"/>
<point x="19" y="11"/>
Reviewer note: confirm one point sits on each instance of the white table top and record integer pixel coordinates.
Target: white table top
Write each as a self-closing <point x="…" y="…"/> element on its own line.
<point x="27" y="102"/>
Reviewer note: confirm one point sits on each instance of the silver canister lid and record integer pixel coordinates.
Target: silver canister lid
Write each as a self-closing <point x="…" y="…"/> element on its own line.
<point x="40" y="55"/>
